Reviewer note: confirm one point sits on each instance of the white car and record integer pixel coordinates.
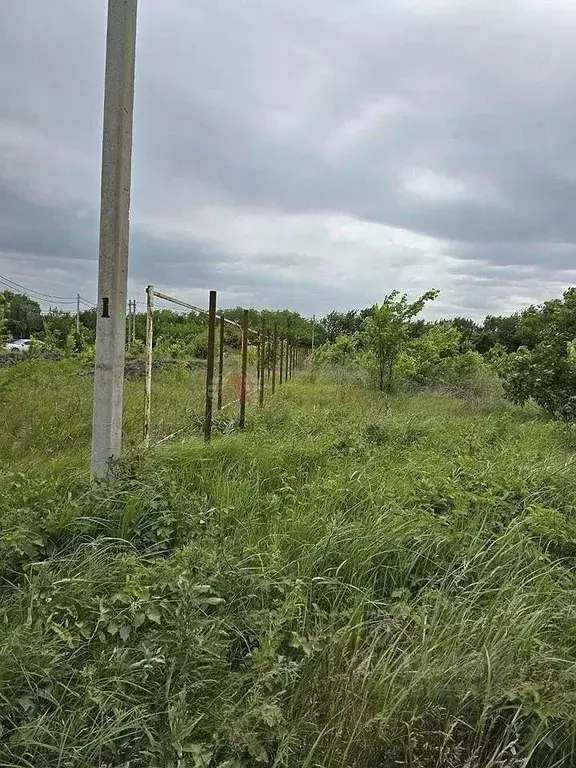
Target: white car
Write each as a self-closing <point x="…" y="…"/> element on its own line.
<point x="20" y="345"/>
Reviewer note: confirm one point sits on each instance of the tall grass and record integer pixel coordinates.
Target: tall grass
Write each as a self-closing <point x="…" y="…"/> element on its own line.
<point x="353" y="581"/>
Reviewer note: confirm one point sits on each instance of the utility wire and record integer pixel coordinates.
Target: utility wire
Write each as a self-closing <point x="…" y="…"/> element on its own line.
<point x="12" y="284"/>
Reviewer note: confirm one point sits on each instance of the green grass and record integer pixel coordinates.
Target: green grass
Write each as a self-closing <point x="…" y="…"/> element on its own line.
<point x="353" y="581"/>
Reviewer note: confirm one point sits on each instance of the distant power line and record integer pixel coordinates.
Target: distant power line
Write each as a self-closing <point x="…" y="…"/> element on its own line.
<point x="13" y="285"/>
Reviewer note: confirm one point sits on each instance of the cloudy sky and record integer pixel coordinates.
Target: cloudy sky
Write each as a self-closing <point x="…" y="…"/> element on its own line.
<point x="311" y="155"/>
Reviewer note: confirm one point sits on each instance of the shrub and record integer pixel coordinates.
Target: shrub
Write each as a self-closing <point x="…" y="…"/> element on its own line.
<point x="546" y="375"/>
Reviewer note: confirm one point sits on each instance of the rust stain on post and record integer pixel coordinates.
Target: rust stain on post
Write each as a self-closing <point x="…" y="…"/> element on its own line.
<point x="210" y="366"/>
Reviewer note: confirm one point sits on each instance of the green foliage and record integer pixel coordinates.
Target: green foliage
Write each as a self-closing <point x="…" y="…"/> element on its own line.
<point x="343" y="350"/>
<point x="386" y="331"/>
<point x="337" y="324"/>
<point x="546" y="373"/>
<point x="426" y="358"/>
<point x="22" y="316"/>
<point x="3" y="324"/>
<point x="499" y="360"/>
<point x="58" y="327"/>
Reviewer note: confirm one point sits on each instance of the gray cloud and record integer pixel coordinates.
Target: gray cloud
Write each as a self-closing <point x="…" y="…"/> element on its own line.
<point x="450" y="121"/>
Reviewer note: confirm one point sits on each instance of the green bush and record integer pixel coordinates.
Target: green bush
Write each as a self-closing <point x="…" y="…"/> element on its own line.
<point x="546" y="375"/>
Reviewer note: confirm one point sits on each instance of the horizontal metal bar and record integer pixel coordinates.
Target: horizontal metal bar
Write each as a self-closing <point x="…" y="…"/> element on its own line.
<point x="185" y="304"/>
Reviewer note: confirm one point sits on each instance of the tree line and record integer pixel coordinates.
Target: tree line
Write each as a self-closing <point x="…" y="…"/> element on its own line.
<point x="24" y="318"/>
<point x="533" y="351"/>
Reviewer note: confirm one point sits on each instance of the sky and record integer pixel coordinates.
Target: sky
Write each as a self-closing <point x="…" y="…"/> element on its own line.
<point x="303" y="155"/>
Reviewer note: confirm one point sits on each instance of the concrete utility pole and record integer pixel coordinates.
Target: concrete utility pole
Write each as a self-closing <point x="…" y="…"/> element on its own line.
<point x="78" y="313"/>
<point x="114" y="235"/>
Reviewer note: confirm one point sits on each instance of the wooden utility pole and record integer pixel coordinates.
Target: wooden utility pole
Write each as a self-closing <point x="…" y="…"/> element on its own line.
<point x="114" y="236"/>
<point x="77" y="313"/>
<point x="210" y="358"/>
<point x="242" y="422"/>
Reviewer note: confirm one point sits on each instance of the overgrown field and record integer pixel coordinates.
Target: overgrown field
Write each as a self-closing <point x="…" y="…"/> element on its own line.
<point x="354" y="581"/>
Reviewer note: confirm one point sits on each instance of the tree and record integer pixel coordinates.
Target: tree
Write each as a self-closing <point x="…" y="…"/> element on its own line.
<point x="88" y="319"/>
<point x="3" y="328"/>
<point x="387" y="331"/>
<point x="340" y="351"/>
<point x="504" y="330"/>
<point x="58" y="326"/>
<point x="469" y="333"/>
<point x="546" y="372"/>
<point x="338" y="324"/>
<point x="23" y="317"/>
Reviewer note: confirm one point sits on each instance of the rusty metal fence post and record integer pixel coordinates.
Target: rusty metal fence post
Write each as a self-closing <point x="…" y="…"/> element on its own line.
<point x="274" y="359"/>
<point x="262" y="365"/>
<point x="149" y="348"/>
<point x="221" y="360"/>
<point x="210" y="358"/>
<point x="258" y="358"/>
<point x="242" y="422"/>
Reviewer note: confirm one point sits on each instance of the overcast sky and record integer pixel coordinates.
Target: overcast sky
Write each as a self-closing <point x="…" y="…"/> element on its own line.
<point x="297" y="153"/>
